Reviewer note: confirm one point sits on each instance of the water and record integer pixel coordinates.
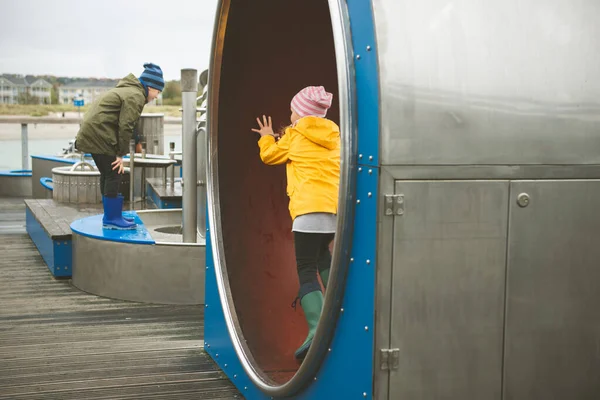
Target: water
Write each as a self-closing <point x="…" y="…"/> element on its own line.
<point x="10" y="150"/>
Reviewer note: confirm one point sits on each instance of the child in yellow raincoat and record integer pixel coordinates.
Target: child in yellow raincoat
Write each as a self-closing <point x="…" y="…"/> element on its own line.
<point x="310" y="148"/>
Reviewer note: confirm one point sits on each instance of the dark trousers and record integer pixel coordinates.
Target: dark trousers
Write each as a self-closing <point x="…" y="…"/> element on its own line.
<point x="312" y="255"/>
<point x="110" y="179"/>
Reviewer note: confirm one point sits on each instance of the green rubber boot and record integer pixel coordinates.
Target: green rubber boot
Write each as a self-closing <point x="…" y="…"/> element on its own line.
<point x="312" y="304"/>
<point x="324" y="277"/>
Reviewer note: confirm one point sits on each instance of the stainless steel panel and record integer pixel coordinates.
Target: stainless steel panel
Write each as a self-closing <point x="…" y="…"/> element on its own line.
<point x="15" y="186"/>
<point x="489" y="82"/>
<point x="383" y="305"/>
<point x="151" y="127"/>
<point x="73" y="188"/>
<point x="497" y="172"/>
<point x="42" y="168"/>
<point x="553" y="292"/>
<point x="144" y="273"/>
<point x="449" y="263"/>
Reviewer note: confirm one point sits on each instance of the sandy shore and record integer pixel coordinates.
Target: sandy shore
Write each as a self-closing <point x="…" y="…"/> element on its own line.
<point x="54" y="131"/>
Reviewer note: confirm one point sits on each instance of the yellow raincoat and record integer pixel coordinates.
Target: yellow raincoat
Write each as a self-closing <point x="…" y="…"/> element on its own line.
<point x="311" y="149"/>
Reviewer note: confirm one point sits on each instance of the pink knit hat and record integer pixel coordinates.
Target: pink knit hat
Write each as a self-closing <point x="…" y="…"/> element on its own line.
<point x="312" y="100"/>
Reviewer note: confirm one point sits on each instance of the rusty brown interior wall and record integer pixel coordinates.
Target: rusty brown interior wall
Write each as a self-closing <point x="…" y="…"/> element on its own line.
<point x="272" y="49"/>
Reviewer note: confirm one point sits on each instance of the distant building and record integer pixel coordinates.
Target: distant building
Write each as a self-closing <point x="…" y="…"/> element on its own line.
<point x="11" y="86"/>
<point x="89" y="90"/>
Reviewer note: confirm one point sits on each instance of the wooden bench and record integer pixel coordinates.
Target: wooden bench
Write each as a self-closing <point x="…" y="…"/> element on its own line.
<point x="48" y="225"/>
<point x="164" y="197"/>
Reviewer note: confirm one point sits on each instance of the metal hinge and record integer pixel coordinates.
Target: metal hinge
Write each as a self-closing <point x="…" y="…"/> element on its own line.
<point x="394" y="204"/>
<point x="390" y="359"/>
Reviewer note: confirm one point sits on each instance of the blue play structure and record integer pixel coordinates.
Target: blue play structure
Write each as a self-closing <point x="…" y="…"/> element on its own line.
<point x="340" y="363"/>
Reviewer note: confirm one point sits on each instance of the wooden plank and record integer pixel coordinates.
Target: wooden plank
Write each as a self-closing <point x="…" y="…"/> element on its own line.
<point x="57" y="342"/>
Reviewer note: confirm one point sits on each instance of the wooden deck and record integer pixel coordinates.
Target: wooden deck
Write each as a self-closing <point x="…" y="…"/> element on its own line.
<point x="57" y="342"/>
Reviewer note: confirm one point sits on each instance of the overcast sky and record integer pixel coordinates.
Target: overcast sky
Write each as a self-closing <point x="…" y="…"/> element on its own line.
<point x="105" y="38"/>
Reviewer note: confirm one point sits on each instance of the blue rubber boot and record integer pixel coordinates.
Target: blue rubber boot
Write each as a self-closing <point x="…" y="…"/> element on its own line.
<point x="128" y="219"/>
<point x="112" y="218"/>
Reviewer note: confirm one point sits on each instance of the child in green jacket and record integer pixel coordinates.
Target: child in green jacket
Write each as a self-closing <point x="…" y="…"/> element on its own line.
<point x="106" y="131"/>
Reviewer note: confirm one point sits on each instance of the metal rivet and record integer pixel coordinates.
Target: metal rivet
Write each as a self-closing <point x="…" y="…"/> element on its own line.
<point x="359" y="169"/>
<point x="352" y="259"/>
<point x="315" y="378"/>
<point x="225" y="365"/>
<point x="370" y="171"/>
<point x="245" y="387"/>
<point x="329" y="349"/>
<point x="217" y="355"/>
<point x="358" y="201"/>
<point x="368" y="48"/>
<point x="370" y="158"/>
<point x="368" y="261"/>
<point x="342" y="309"/>
<point x="358" y="56"/>
<point x="364" y="394"/>
<point x="206" y="267"/>
<point x="366" y="328"/>
<point x="360" y="156"/>
<point x="369" y="194"/>
<point x="208" y="345"/>
<point x="234" y="376"/>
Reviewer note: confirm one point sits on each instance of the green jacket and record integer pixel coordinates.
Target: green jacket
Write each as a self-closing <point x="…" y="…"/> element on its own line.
<point x="108" y="125"/>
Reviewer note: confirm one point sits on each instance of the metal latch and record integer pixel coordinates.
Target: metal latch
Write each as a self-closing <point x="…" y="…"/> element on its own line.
<point x="394" y="204"/>
<point x="390" y="359"/>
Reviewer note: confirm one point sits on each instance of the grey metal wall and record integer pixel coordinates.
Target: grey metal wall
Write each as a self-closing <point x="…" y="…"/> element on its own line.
<point x="489" y="82"/>
<point x="490" y="129"/>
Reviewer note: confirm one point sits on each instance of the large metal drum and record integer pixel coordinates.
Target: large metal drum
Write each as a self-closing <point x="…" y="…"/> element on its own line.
<point x="80" y="184"/>
<point x="466" y="259"/>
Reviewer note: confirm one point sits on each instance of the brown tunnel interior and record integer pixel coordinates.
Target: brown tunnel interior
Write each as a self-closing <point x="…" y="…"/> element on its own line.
<point x="271" y="50"/>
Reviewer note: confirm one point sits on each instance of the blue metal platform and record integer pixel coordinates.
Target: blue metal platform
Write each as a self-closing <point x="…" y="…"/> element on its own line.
<point x="92" y="227"/>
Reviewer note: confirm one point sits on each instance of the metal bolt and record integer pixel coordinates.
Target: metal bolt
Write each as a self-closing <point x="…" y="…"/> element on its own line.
<point x="217" y="355"/>
<point x="206" y="267"/>
<point x="370" y="158"/>
<point x="342" y="309"/>
<point x="368" y="48"/>
<point x="206" y="306"/>
<point x="360" y="156"/>
<point x="370" y="171"/>
<point x="359" y="169"/>
<point x="315" y="378"/>
<point x="225" y="365"/>
<point x="234" y="376"/>
<point x="364" y="394"/>
<point x="369" y="194"/>
<point x="358" y="201"/>
<point x="245" y="387"/>
<point x="351" y="259"/>
<point x="368" y="262"/>
<point x="208" y="345"/>
<point x="366" y="328"/>
<point x="329" y="349"/>
<point x="523" y="200"/>
<point x="358" y="56"/>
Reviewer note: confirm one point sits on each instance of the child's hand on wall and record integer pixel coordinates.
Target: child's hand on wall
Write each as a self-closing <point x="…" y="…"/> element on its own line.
<point x="266" y="127"/>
